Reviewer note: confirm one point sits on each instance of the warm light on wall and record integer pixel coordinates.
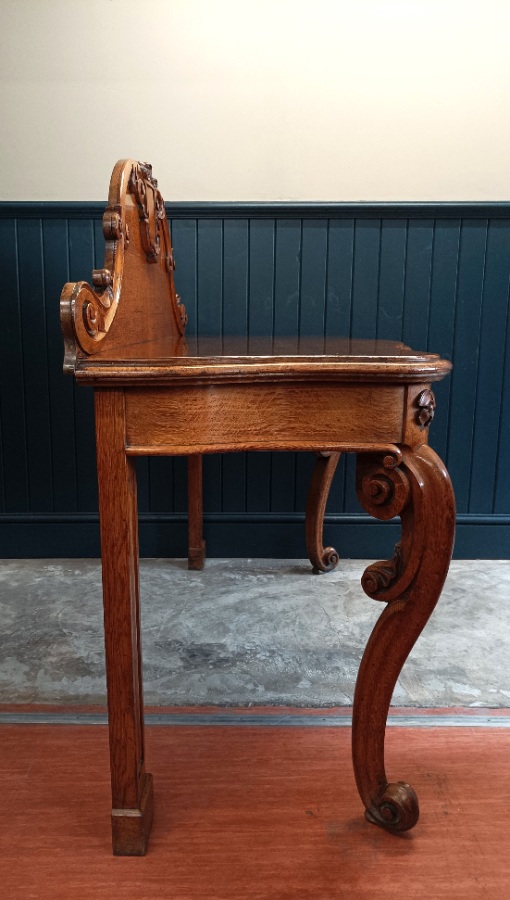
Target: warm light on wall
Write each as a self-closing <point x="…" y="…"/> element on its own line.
<point x="258" y="100"/>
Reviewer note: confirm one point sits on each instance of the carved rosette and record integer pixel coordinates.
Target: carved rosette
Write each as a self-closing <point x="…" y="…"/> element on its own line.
<point x="426" y="404"/>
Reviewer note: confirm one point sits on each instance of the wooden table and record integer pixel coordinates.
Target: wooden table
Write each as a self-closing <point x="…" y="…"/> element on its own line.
<point x="156" y="394"/>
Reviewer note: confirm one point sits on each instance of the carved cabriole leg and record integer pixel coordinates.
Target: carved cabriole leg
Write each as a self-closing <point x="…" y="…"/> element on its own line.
<point x="132" y="796"/>
<point x="196" y="543"/>
<point x="323" y="559"/>
<point x="419" y="490"/>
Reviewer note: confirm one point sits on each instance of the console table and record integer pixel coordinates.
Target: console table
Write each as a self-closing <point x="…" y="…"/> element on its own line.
<point x="158" y="394"/>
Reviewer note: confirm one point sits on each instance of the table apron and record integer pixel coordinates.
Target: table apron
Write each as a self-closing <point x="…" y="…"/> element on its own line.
<point x="187" y="419"/>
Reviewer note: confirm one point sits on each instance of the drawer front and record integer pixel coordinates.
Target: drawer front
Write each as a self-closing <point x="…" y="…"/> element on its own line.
<point x="212" y="418"/>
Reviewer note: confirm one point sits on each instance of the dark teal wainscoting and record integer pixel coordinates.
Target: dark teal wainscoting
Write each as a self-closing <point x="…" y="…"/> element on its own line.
<point x="433" y="275"/>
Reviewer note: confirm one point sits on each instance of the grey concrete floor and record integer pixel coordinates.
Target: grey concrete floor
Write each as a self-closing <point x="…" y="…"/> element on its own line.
<point x="248" y="632"/>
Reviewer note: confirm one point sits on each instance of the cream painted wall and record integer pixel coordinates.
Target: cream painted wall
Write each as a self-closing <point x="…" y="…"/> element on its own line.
<point x="257" y="99"/>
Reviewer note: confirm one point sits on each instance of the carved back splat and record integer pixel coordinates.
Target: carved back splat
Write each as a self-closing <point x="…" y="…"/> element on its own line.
<point x="132" y="299"/>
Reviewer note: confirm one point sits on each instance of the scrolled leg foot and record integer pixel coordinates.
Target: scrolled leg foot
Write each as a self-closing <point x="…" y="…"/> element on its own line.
<point x="329" y="561"/>
<point x="397" y="808"/>
<point x="323" y="559"/>
<point x="419" y="490"/>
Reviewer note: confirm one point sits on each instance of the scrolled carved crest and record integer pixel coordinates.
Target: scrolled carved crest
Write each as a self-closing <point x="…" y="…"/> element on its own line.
<point x="88" y="310"/>
<point x="384" y="490"/>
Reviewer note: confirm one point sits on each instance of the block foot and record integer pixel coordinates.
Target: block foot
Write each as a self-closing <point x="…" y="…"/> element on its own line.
<point x="131" y="827"/>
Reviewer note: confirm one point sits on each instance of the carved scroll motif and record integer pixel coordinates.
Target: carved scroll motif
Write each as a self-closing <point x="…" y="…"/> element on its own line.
<point x="379" y="576"/>
<point x="151" y="208"/>
<point x="153" y="223"/>
<point x="383" y="490"/>
<point x="419" y="490"/>
<point x="99" y="304"/>
<point x="382" y="486"/>
<point x="87" y="311"/>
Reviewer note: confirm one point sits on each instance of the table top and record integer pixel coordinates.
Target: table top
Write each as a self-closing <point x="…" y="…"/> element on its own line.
<point x="238" y="358"/>
<point x="127" y="328"/>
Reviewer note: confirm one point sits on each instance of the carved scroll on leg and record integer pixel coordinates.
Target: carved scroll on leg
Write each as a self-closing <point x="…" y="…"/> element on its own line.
<point x="419" y="490"/>
<point x="323" y="559"/>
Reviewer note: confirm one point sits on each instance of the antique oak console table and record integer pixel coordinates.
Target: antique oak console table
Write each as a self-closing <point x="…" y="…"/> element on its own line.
<point x="157" y="395"/>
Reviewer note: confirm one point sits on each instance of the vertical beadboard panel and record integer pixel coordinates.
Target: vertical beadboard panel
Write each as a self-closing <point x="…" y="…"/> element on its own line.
<point x="261" y="276"/>
<point x="392" y="280"/>
<point x="339" y="276"/>
<point x="287" y="277"/>
<point x="314" y="259"/>
<point x="365" y="289"/>
<point x="339" y="283"/>
<point x="491" y="368"/>
<point x="235" y="277"/>
<point x="466" y="349"/>
<point x="180" y="485"/>
<point x="439" y="284"/>
<point x="235" y="322"/>
<point x="443" y="298"/>
<point x="261" y="294"/>
<point x="365" y="286"/>
<point x="12" y="381"/>
<point x="35" y="365"/>
<point x="417" y="283"/>
<point x="210" y="322"/>
<point x="2" y="473"/>
<point x="209" y="277"/>
<point x="184" y="241"/>
<point x="61" y="390"/>
<point x="81" y="252"/>
<point x="502" y="475"/>
<point x="288" y="274"/>
<point x="312" y="322"/>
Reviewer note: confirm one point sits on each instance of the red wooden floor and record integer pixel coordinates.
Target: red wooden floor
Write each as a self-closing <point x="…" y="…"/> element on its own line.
<point x="255" y="812"/>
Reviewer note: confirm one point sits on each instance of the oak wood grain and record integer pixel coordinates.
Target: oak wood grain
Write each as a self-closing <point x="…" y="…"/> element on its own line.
<point x="271" y="416"/>
<point x="157" y="395"/>
<point x="196" y="543"/>
<point x="131" y="787"/>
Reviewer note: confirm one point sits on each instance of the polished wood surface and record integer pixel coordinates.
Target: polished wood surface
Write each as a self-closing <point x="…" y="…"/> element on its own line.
<point x="158" y="395"/>
<point x="253" y="813"/>
<point x="115" y="305"/>
<point x="323" y="559"/>
<point x="196" y="543"/>
<point x="132" y="803"/>
<point x="420" y="491"/>
<point x="283" y="417"/>
<point x="175" y="359"/>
